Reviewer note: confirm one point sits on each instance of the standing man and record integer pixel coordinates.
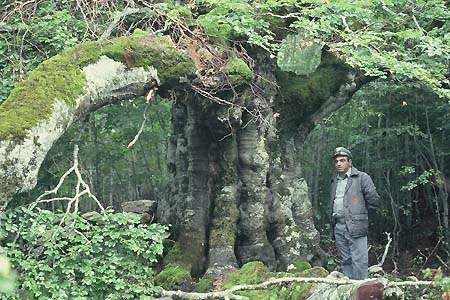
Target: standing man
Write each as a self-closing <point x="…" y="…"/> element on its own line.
<point x="352" y="195"/>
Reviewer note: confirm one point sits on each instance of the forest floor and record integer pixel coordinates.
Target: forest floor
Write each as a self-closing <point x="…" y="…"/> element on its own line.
<point x="424" y="260"/>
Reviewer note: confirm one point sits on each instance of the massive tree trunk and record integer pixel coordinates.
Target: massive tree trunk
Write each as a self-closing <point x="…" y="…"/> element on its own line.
<point x="252" y="202"/>
<point x="236" y="193"/>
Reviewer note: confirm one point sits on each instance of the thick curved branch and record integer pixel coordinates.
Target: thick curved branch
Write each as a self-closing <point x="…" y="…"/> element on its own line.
<point x="342" y="97"/>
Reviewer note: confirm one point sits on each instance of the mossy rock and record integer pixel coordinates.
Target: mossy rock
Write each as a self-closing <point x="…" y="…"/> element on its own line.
<point x="299" y="266"/>
<point x="251" y="273"/>
<point x="314" y="272"/>
<point x="174" y="277"/>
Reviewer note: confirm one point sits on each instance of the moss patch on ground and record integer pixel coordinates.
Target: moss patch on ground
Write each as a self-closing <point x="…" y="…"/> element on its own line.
<point x="173" y="277"/>
<point x="256" y="272"/>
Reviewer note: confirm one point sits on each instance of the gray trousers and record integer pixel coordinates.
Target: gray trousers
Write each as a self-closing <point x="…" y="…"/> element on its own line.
<point x="353" y="252"/>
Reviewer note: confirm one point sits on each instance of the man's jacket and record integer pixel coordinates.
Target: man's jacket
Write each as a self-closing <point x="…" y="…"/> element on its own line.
<point x="360" y="196"/>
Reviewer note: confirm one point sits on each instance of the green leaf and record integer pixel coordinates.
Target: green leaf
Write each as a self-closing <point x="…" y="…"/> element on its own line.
<point x="299" y="54"/>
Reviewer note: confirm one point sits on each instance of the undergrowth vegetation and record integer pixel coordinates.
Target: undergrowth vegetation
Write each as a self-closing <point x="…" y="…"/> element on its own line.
<point x="64" y="256"/>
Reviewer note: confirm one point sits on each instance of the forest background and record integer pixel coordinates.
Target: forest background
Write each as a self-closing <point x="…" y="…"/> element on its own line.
<point x="398" y="130"/>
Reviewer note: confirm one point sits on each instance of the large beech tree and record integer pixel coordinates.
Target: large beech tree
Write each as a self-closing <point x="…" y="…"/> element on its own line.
<point x="244" y="103"/>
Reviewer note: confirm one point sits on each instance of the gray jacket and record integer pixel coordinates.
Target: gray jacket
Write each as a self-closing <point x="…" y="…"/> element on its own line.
<point x="360" y="196"/>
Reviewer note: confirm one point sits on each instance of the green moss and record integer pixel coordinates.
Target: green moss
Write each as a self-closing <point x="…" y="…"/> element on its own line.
<point x="314" y="272"/>
<point x="139" y="32"/>
<point x="250" y="273"/>
<point x="299" y="266"/>
<point x="204" y="285"/>
<point x="172" y="277"/>
<point x="175" y="256"/>
<point x="138" y="50"/>
<point x="256" y="272"/>
<point x="238" y="72"/>
<point x="60" y="77"/>
<point x="32" y="100"/>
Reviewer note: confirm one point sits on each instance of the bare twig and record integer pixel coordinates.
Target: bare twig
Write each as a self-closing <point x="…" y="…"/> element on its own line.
<point x="136" y="137"/>
<point x="386" y="249"/>
<point x="417" y="24"/>
<point x="80" y="184"/>
<point x="119" y="16"/>
<point x="443" y="262"/>
<point x="427" y="257"/>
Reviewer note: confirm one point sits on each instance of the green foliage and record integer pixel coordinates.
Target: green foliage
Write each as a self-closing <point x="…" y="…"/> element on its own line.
<point x="32" y="35"/>
<point x="390" y="128"/>
<point x="299" y="55"/>
<point x="237" y="19"/>
<point x="443" y="283"/>
<point x="401" y="40"/>
<point x="63" y="256"/>
<point x="406" y="39"/>
<point x="422" y="179"/>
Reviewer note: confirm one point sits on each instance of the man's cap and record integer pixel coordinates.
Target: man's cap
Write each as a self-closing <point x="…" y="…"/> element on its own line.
<point x="341" y="151"/>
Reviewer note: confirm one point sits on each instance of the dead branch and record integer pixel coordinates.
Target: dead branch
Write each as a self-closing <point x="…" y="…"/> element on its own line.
<point x="136" y="137"/>
<point x="72" y="202"/>
<point x="386" y="249"/>
<point x="119" y="16"/>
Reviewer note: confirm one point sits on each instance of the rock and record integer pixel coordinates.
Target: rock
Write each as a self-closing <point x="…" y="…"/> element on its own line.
<point x="146" y="218"/>
<point x="140" y="206"/>
<point x="370" y="290"/>
<point x="92" y="216"/>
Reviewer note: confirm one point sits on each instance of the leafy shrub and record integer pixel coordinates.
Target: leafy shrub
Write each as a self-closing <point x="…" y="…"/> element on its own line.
<point x="64" y="256"/>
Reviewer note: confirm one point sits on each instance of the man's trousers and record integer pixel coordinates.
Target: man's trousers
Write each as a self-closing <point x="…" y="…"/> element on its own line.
<point x="353" y="252"/>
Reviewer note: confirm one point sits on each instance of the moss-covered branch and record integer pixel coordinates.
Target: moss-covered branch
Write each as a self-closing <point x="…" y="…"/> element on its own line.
<point x="333" y="282"/>
<point x="71" y="84"/>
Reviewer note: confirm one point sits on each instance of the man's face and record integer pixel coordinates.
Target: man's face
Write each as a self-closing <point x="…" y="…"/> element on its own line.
<point x="342" y="164"/>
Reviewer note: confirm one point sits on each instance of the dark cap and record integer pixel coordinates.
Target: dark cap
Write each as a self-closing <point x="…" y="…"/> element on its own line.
<point x="341" y="151"/>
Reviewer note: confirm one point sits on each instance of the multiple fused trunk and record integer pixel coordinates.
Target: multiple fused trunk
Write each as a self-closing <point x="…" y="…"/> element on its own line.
<point x="236" y="194"/>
